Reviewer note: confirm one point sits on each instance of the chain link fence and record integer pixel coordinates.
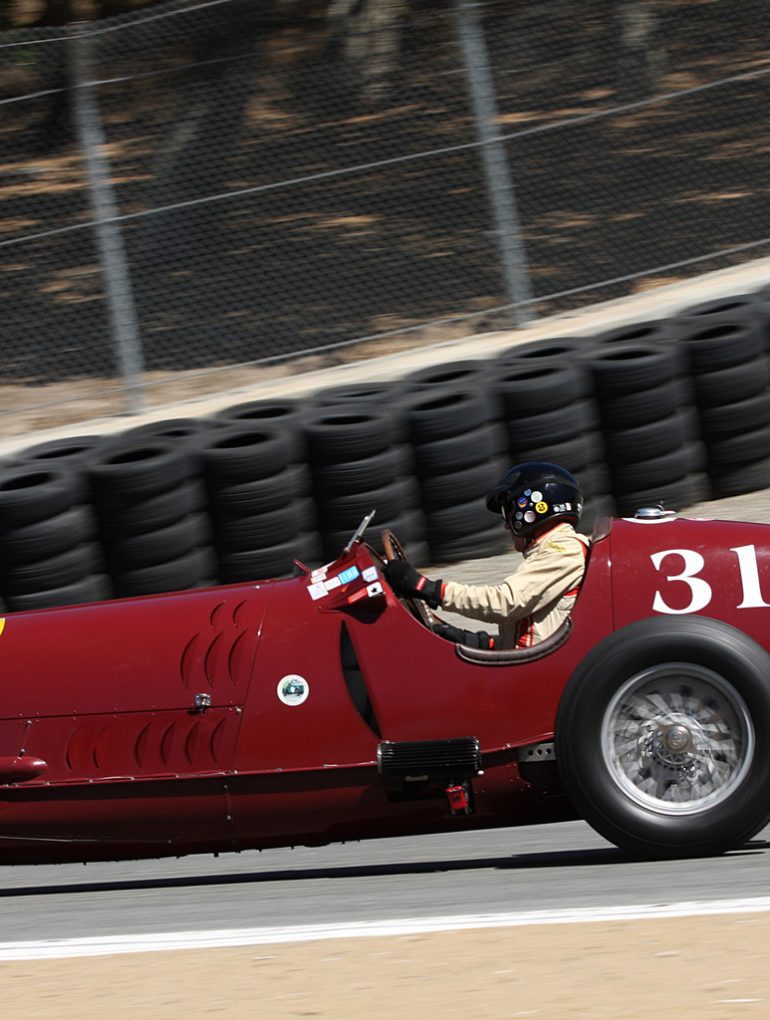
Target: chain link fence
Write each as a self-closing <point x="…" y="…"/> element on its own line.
<point x="201" y="186"/>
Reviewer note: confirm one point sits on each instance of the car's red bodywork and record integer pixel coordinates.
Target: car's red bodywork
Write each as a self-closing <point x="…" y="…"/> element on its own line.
<point x="153" y="726"/>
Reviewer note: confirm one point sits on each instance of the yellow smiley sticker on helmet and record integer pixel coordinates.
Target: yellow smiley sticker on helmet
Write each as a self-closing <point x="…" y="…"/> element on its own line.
<point x="541" y="507"/>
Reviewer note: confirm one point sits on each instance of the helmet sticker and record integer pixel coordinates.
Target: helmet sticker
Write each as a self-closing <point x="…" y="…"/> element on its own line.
<point x="293" y="689"/>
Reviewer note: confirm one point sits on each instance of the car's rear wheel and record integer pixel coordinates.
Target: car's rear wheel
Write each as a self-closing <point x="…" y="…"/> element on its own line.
<point x="662" y="737"/>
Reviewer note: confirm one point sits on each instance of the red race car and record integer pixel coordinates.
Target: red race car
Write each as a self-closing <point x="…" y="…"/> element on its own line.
<point x="321" y="708"/>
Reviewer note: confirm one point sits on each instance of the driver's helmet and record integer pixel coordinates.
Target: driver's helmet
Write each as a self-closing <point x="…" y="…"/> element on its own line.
<point x="532" y="493"/>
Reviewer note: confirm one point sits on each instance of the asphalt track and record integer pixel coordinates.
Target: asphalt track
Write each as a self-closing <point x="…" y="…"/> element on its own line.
<point x="555" y="867"/>
<point x="514" y="869"/>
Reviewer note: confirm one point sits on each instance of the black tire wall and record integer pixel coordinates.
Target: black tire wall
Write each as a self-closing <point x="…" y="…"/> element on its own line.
<point x="673" y="410"/>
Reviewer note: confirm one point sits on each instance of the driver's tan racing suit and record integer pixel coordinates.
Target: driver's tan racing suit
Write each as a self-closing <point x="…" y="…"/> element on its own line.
<point x="532" y="602"/>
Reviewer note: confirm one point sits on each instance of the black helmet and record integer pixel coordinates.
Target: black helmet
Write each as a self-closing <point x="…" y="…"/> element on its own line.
<point x="529" y="494"/>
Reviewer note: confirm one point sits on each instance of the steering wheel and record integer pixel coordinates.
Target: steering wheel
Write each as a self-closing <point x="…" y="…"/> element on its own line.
<point x="395" y="551"/>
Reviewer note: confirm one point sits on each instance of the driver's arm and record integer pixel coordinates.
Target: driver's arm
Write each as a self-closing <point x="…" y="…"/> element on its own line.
<point x="469" y="638"/>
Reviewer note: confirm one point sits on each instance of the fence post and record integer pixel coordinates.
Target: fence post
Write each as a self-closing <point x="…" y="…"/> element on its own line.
<point x="500" y="191"/>
<point x="112" y="252"/>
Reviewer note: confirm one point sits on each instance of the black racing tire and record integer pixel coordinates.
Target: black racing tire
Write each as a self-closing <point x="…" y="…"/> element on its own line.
<point x="387" y="500"/>
<point x="752" y="306"/>
<point x="574" y="453"/>
<point x="678" y="495"/>
<point x="631" y="368"/>
<point x="652" y="439"/>
<point x="94" y="588"/>
<point x="558" y="349"/>
<point x="368" y="393"/>
<point x="121" y="519"/>
<point x="654" y="331"/>
<point x="524" y="388"/>
<point x="263" y="564"/>
<point x="244" y="453"/>
<point x="473" y="373"/>
<point x="261" y="531"/>
<point x="129" y="471"/>
<point x="29" y="494"/>
<point x="633" y="409"/>
<point x="31" y="542"/>
<point x="493" y="541"/>
<point x="741" y="478"/>
<point x="645" y="474"/>
<point x="408" y="526"/>
<point x="455" y="487"/>
<point x="457" y="521"/>
<point x="247" y="499"/>
<point x="729" y="385"/>
<point x="335" y="435"/>
<point x="281" y="412"/>
<point x="624" y="723"/>
<point x="159" y="546"/>
<point x="187" y="571"/>
<point x="186" y="434"/>
<point x="711" y="346"/>
<point x="69" y="452"/>
<point x="595" y="480"/>
<point x="332" y="480"/>
<point x="443" y="413"/>
<point x="730" y="419"/>
<point x="553" y="427"/>
<point x="54" y="571"/>
<point x="742" y="448"/>
<point x="288" y="414"/>
<point x="458" y="452"/>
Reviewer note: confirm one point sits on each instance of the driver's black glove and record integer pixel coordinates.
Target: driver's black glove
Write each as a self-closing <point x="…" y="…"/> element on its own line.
<point x="469" y="638"/>
<point x="406" y="581"/>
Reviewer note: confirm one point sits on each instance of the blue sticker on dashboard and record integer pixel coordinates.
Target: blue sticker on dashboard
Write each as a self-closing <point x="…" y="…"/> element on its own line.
<point x="348" y="575"/>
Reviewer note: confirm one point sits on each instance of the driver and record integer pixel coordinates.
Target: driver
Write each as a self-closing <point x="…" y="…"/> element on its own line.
<point x="540" y="504"/>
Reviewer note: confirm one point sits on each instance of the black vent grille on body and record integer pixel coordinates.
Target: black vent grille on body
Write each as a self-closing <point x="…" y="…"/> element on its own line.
<point x="454" y="759"/>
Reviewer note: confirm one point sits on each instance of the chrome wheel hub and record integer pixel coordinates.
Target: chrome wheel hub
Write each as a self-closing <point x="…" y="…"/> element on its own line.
<point x="677" y="738"/>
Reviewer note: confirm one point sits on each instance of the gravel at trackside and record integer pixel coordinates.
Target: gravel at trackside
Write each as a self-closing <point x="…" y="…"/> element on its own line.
<point x="753" y="506"/>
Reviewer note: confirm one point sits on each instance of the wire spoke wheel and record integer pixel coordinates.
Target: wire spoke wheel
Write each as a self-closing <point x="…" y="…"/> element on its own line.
<point x="663" y="737"/>
<point x="677" y="739"/>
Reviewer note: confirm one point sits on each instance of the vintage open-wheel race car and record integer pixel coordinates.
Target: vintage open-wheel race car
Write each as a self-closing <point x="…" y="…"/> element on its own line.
<point x="322" y="708"/>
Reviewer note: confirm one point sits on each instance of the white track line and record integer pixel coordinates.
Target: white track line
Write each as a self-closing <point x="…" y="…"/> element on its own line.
<point x="112" y="944"/>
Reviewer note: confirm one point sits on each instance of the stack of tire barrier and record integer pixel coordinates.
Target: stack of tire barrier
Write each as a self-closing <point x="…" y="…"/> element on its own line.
<point x="360" y="461"/>
<point x="736" y="308"/>
<point x="49" y="551"/>
<point x="458" y="445"/>
<point x="288" y="415"/>
<point x="261" y="514"/>
<point x="647" y="420"/>
<point x="546" y="394"/>
<point x="639" y="414"/>
<point x="728" y="366"/>
<point x="152" y="516"/>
